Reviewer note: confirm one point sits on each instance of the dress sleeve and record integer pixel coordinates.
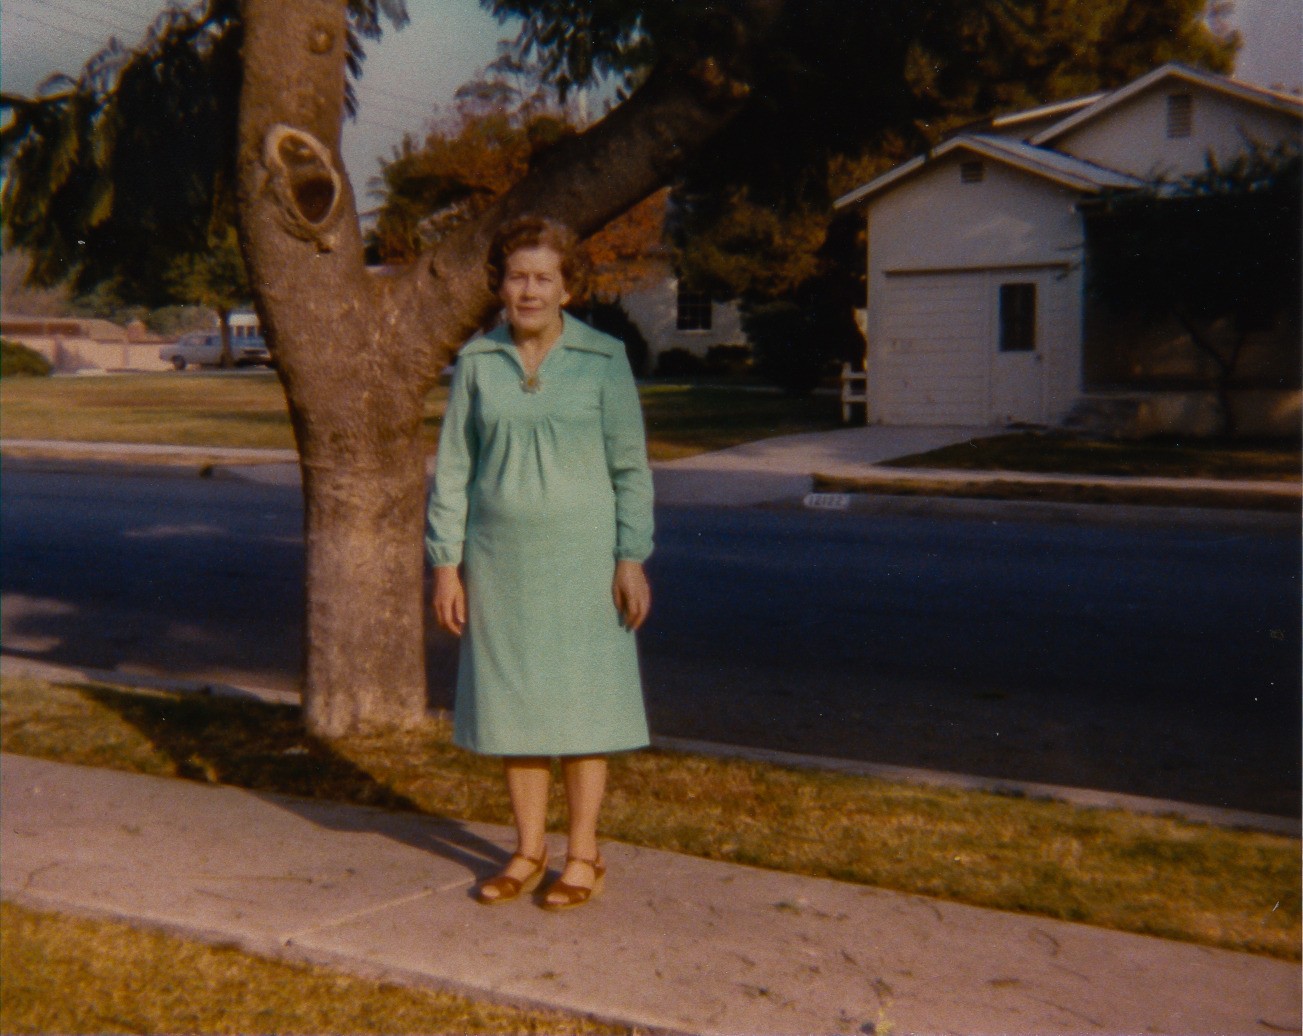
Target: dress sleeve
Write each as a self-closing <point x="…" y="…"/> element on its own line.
<point x="445" y="513"/>
<point x="626" y="461"/>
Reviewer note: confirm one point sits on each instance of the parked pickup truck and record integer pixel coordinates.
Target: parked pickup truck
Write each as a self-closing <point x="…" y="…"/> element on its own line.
<point x="205" y="350"/>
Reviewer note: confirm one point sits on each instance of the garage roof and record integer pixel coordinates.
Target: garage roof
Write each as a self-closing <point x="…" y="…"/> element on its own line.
<point x="1270" y="99"/>
<point x="1038" y="161"/>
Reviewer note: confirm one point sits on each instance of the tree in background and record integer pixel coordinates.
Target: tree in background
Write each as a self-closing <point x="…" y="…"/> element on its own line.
<point x="1220" y="252"/>
<point x="214" y="278"/>
<point x="99" y="208"/>
<point x="139" y="153"/>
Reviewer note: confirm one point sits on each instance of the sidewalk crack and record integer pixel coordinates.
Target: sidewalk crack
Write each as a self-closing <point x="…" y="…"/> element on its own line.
<point x="357" y="915"/>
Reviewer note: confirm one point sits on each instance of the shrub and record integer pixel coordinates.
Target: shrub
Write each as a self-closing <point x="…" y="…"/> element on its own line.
<point x="20" y="361"/>
<point x="786" y="355"/>
<point x="799" y="341"/>
<point x="678" y="363"/>
<point x="728" y="359"/>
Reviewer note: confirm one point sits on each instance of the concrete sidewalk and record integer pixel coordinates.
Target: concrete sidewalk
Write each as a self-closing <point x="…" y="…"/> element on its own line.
<point x="676" y="944"/>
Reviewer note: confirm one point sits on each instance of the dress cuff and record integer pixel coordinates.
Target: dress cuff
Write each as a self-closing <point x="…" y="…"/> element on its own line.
<point x="441" y="556"/>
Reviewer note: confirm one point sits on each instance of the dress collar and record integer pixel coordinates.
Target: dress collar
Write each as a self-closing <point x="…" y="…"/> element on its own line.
<point x="575" y="334"/>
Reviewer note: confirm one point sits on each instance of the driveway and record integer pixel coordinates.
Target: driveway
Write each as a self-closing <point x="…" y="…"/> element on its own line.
<point x="780" y="468"/>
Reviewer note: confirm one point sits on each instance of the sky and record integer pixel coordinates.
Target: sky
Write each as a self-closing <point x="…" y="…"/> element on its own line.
<point x="412" y="72"/>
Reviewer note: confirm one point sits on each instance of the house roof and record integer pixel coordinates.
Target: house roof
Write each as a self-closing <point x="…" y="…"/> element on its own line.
<point x="1257" y="95"/>
<point x="1054" y="166"/>
<point x="1036" y="156"/>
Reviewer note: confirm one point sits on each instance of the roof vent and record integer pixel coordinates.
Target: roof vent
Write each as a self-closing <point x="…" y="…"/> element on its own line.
<point x="972" y="172"/>
<point x="1180" y="116"/>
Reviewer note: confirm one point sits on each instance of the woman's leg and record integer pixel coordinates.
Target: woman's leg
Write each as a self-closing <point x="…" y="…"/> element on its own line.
<point x="585" y="779"/>
<point x="527" y="785"/>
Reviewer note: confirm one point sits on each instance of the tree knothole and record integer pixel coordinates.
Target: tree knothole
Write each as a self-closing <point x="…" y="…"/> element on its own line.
<point x="309" y="192"/>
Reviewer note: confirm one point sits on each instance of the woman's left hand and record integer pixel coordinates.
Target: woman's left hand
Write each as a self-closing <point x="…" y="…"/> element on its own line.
<point x="632" y="593"/>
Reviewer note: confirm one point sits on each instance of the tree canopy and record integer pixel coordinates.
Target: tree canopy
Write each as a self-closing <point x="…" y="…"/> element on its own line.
<point x="1221" y="252"/>
<point x="135" y="156"/>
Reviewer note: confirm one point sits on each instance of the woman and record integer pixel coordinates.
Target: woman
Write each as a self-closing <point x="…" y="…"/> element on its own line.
<point x="543" y="496"/>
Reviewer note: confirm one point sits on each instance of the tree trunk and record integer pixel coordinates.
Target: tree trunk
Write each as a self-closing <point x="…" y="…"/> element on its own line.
<point x="355" y="373"/>
<point x="1224" y="367"/>
<point x="364" y="663"/>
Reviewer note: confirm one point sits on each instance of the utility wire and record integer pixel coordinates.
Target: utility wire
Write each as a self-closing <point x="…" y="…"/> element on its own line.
<point x="50" y="5"/>
<point x="63" y="30"/>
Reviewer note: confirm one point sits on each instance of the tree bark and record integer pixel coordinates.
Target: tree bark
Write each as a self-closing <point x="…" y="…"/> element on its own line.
<point x="357" y="352"/>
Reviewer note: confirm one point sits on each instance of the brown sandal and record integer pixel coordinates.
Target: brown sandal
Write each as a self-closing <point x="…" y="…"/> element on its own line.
<point x="575" y="895"/>
<point x="506" y="888"/>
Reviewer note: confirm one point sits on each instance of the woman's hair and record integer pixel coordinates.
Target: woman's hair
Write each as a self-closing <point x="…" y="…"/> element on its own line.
<point x="535" y="232"/>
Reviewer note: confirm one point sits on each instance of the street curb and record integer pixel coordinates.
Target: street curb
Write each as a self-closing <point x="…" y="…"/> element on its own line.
<point x="1056" y="513"/>
<point x="281" y="467"/>
<point x="1090" y="798"/>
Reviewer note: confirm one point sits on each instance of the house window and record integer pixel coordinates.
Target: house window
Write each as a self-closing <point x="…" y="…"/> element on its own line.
<point x="1180" y="115"/>
<point x="1017" y="318"/>
<point x="972" y="172"/>
<point x="694" y="310"/>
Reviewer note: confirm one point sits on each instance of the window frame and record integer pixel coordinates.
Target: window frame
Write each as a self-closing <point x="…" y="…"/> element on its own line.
<point x="693" y="310"/>
<point x="1017" y="303"/>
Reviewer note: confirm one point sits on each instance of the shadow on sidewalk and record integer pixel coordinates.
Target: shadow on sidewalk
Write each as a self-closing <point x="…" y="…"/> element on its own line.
<point x="264" y="749"/>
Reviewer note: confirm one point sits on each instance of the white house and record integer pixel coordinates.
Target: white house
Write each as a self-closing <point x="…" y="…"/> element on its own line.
<point x="976" y="306"/>
<point x="672" y="316"/>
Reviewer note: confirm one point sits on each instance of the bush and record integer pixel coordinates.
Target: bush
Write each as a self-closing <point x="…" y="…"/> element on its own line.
<point x="785" y="353"/>
<point x="20" y="361"/>
<point x="799" y="341"/>
<point x="679" y="363"/>
<point x="728" y="359"/>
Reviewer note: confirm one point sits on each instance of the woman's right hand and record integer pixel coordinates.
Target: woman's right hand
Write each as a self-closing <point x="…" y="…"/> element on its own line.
<point x="449" y="599"/>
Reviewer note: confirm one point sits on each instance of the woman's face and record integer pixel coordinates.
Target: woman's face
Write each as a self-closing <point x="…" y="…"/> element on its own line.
<point x="534" y="290"/>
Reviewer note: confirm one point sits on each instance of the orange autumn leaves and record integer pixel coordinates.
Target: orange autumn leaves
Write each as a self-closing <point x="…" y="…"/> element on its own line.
<point x="459" y="171"/>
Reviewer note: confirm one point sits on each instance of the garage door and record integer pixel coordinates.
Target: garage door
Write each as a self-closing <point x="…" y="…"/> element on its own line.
<point x="932" y="364"/>
<point x="965" y="347"/>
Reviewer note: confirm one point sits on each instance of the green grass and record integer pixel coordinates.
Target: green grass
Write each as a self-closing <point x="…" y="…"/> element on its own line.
<point x="1153" y="875"/>
<point x="1069" y="454"/>
<point x="248" y="410"/>
<point x="71" y="975"/>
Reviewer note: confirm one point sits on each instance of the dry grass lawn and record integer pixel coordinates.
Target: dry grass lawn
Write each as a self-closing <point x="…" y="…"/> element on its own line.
<point x="71" y="975"/>
<point x="247" y="409"/>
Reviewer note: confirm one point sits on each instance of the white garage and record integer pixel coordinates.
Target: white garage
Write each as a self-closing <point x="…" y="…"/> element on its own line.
<point x="969" y="346"/>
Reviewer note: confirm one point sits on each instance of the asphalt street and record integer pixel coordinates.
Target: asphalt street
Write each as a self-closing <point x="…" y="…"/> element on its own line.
<point x="1160" y="661"/>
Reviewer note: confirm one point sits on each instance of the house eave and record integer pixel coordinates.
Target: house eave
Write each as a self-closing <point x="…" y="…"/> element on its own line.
<point x="1257" y="95"/>
<point x="994" y="152"/>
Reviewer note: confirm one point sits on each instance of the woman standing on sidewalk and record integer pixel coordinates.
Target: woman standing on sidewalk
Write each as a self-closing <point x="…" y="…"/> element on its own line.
<point x="543" y="496"/>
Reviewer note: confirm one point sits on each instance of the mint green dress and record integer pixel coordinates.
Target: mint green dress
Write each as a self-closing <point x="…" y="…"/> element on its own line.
<point x="538" y="490"/>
